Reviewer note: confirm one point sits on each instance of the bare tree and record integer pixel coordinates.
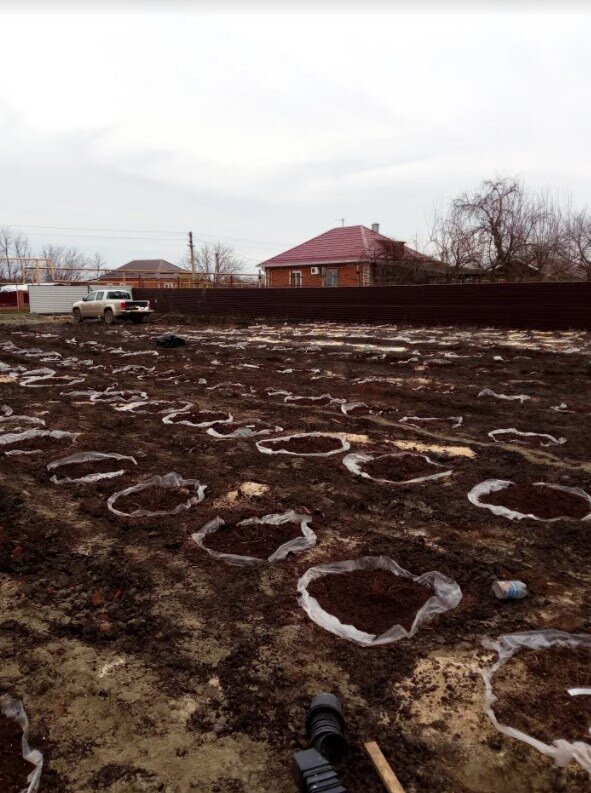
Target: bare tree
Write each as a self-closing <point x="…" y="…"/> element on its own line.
<point x="578" y="242"/>
<point x="454" y="243"/>
<point x="216" y="260"/>
<point x="96" y="265"/>
<point x="15" y="252"/>
<point x="499" y="217"/>
<point x="503" y="232"/>
<point x="545" y="256"/>
<point x="66" y="264"/>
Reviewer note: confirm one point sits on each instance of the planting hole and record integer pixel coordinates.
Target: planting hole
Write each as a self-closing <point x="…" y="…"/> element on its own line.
<point x="256" y="541"/>
<point x="397" y="469"/>
<point x="370" y="600"/>
<point x="197" y="418"/>
<point x="88" y="467"/>
<point x="533" y="439"/>
<point x="532" y="690"/>
<point x="241" y="429"/>
<point x="154" y="499"/>
<point x="159" y="495"/>
<point x="309" y="443"/>
<point x="319" y="401"/>
<point x="540" y="500"/>
<point x="14" y="769"/>
<point x="34" y="441"/>
<point x="20" y="765"/>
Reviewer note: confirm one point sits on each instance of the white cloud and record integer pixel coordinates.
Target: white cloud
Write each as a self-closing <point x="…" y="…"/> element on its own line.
<point x="267" y="127"/>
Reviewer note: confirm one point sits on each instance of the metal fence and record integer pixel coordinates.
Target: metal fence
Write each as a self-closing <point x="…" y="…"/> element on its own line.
<point x="546" y="306"/>
<point x="54" y="299"/>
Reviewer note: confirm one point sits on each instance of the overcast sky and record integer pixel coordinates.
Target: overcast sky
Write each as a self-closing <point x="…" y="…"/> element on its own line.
<point x="263" y="129"/>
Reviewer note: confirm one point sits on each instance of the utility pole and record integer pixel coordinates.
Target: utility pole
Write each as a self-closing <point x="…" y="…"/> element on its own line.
<point x="192" y="256"/>
<point x="342" y="221"/>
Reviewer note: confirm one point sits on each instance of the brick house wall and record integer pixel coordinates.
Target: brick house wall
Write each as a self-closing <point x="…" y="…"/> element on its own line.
<point x="348" y="275"/>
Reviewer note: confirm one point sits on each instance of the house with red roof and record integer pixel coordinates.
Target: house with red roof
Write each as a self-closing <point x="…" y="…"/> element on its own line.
<point x="351" y="256"/>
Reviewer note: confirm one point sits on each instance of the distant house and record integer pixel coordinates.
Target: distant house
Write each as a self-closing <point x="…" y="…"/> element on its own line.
<point x="151" y="273"/>
<point x="351" y="256"/>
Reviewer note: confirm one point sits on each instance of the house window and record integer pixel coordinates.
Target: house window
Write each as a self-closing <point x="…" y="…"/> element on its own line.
<point x="168" y="285"/>
<point x="296" y="278"/>
<point x="331" y="276"/>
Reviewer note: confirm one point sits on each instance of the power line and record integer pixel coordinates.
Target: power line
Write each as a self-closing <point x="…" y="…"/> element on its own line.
<point x="83" y="228"/>
<point x="181" y="234"/>
<point x="105" y="237"/>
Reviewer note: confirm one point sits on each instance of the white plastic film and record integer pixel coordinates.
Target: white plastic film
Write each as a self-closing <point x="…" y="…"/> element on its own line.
<point x="170" y="480"/>
<point x="446" y="596"/>
<point x="88" y="457"/>
<point x="340" y="436"/>
<point x="494" y="485"/>
<point x="296" y="545"/>
<point x="547" y="440"/>
<point x="176" y="417"/>
<point x="513" y="397"/>
<point x="13" y="438"/>
<point x="362" y="409"/>
<point x="561" y="751"/>
<point x="246" y="429"/>
<point x="354" y="463"/>
<point x="13" y="709"/>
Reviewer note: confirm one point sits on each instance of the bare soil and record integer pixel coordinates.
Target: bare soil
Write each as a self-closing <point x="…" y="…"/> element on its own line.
<point x="147" y="665"/>
<point x="370" y="600"/>
<point x="259" y="539"/>
<point x="543" y="502"/>
<point x="532" y="693"/>
<point x="14" y="770"/>
<point x="400" y="469"/>
<point x="313" y="444"/>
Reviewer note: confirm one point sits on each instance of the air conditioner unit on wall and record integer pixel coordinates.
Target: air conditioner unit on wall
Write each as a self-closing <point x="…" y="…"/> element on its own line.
<point x="315" y="270"/>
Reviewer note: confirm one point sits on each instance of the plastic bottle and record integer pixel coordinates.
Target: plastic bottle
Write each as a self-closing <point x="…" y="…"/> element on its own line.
<point x="509" y="590"/>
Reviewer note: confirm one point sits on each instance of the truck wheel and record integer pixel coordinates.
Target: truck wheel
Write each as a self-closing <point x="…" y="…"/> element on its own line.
<point x="108" y="316"/>
<point x="77" y="315"/>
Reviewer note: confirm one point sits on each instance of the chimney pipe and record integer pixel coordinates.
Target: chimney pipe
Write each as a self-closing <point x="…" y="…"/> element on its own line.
<point x="375" y="227"/>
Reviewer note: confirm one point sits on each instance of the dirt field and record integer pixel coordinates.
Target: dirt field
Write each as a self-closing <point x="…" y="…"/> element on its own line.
<point x="146" y="664"/>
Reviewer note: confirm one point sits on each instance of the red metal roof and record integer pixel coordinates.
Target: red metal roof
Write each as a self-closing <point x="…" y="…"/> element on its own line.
<point x="339" y="245"/>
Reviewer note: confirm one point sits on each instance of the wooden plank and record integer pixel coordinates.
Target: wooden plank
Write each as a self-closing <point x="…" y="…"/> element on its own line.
<point x="383" y="768"/>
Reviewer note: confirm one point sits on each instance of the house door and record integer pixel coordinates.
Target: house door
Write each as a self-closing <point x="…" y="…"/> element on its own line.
<point x="331" y="276"/>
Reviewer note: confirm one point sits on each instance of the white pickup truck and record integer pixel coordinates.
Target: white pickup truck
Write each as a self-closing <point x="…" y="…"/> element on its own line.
<point x="111" y="305"/>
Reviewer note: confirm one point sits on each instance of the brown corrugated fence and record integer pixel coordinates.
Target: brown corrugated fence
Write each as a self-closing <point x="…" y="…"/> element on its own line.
<point x="546" y="306"/>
